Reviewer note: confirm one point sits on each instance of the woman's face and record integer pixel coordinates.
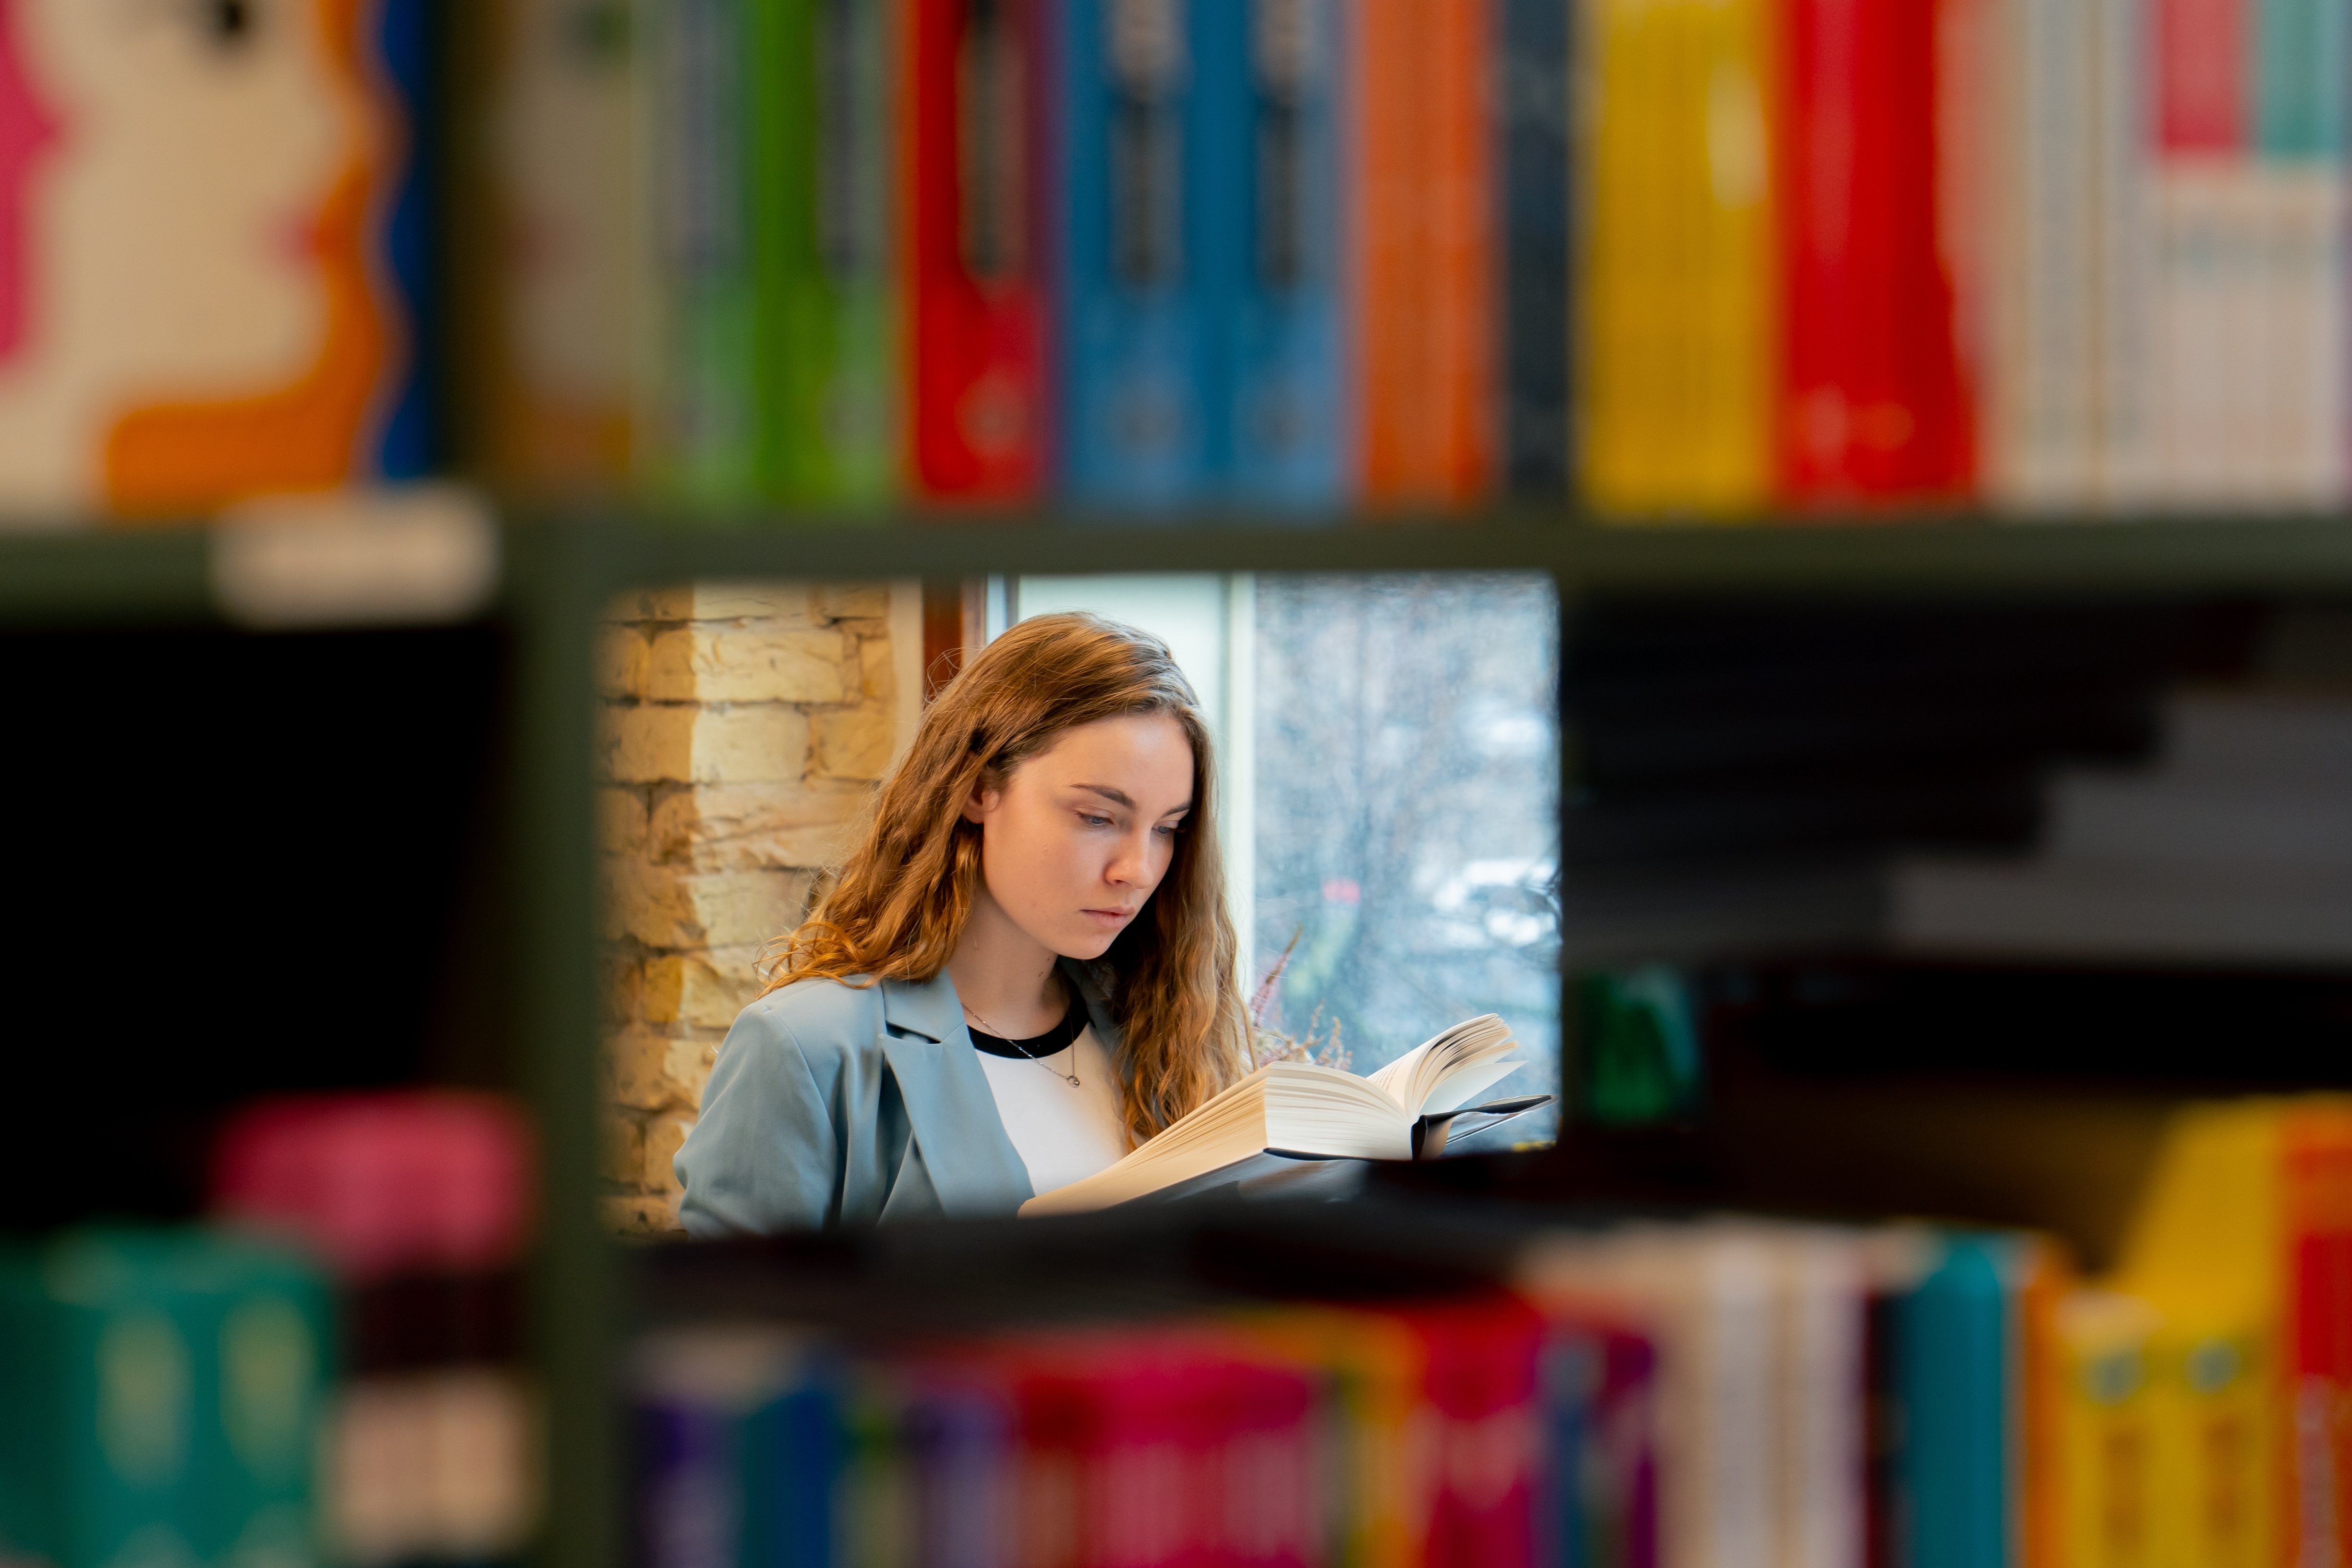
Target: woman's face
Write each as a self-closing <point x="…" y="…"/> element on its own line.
<point x="1075" y="843"/>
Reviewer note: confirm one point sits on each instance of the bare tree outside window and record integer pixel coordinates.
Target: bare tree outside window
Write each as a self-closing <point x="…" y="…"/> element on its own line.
<point x="1407" y="793"/>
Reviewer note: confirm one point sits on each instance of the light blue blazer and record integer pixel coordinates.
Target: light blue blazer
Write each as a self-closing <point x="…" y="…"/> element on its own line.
<point x="835" y="1104"/>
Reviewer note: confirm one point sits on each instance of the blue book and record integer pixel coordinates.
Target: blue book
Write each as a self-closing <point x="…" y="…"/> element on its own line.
<point x="1531" y="100"/>
<point x="1278" y="101"/>
<point x="1138" y="280"/>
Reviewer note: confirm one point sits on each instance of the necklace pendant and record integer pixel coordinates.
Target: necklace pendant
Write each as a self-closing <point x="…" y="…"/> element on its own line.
<point x="1072" y="1079"/>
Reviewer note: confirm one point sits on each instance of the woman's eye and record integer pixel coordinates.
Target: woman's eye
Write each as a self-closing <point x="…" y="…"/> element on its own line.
<point x="1094" y="821"/>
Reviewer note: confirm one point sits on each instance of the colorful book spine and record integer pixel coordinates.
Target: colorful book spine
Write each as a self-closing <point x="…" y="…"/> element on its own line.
<point x="1875" y="399"/>
<point x="1285" y="416"/>
<point x="2207" y="276"/>
<point x="2301" y="49"/>
<point x="973" y="279"/>
<point x="1147" y="179"/>
<point x="709" y="437"/>
<point x="2315" y="1198"/>
<point x="1531" y="103"/>
<point x="821" y="118"/>
<point x="559" y="379"/>
<point x="1677" y="333"/>
<point x="1423" y="199"/>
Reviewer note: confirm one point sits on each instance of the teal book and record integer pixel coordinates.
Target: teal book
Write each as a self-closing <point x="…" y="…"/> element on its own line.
<point x="819" y="89"/>
<point x="1956" y="1387"/>
<point x="159" y="1402"/>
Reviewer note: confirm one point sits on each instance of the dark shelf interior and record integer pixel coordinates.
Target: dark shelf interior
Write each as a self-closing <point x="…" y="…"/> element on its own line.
<point x="245" y="865"/>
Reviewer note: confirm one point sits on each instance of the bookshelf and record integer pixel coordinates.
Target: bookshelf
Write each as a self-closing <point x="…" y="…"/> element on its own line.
<point x="558" y="571"/>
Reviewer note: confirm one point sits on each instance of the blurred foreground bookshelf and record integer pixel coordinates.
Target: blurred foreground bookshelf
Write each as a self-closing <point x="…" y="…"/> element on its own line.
<point x="1843" y="1071"/>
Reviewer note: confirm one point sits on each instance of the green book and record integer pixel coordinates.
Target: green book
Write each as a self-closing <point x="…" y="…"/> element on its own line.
<point x="159" y="1402"/>
<point x="818" y="86"/>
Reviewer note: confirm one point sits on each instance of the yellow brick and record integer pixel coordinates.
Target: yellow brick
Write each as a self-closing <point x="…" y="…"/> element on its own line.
<point x="840" y="601"/>
<point x="786" y="601"/>
<point x="662" y="989"/>
<point x="854" y="743"/>
<point x="663" y="907"/>
<point x="674" y="742"/>
<point x="714" y="986"/>
<point x="621" y="662"/>
<point x="634" y="1070"/>
<point x="620" y="822"/>
<point x="878" y="679"/>
<point x="686" y="1066"/>
<point x="663" y="1137"/>
<point x="624" y="986"/>
<point x="751" y="664"/>
<point x="719" y="827"/>
<point x="647" y="1070"/>
<point x="620" y="1150"/>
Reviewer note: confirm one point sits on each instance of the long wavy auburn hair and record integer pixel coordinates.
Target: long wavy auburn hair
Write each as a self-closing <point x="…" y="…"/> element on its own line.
<point x="899" y="902"/>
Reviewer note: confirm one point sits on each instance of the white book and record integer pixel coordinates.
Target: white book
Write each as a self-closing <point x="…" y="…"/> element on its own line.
<point x="1758" y="1330"/>
<point x="1299" y="1108"/>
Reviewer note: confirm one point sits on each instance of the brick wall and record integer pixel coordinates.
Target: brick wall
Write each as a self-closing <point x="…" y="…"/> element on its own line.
<point x="744" y="727"/>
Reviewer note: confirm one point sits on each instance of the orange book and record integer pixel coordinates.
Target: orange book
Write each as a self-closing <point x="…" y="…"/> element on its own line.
<point x="1423" y="242"/>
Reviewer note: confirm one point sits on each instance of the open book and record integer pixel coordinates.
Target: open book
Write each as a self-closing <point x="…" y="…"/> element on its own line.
<point x="1314" y="1112"/>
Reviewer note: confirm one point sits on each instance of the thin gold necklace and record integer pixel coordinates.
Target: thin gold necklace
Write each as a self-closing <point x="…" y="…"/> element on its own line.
<point x="1070" y="1078"/>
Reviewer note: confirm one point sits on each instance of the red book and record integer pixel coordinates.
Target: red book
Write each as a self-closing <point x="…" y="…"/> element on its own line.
<point x="1876" y="401"/>
<point x="1162" y="1448"/>
<point x="1486" y="1432"/>
<point x="2318" y="1375"/>
<point x="974" y="247"/>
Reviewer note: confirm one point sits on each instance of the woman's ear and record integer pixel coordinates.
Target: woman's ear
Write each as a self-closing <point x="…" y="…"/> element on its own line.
<point x="982" y="804"/>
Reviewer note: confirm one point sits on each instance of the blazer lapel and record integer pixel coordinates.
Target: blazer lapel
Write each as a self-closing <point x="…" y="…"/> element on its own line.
<point x="950" y="1108"/>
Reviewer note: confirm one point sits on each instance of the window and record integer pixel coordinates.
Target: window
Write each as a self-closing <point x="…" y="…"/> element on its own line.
<point x="1390" y="751"/>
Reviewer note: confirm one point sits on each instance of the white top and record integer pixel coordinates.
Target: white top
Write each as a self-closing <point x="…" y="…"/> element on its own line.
<point x="1061" y="1134"/>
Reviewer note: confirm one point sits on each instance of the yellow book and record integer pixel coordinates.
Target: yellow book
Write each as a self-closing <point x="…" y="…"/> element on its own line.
<point x="1677" y="293"/>
<point x="2102" y="1464"/>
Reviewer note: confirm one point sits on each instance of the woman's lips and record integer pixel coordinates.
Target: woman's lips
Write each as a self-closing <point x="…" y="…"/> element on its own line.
<point x="1110" y="917"/>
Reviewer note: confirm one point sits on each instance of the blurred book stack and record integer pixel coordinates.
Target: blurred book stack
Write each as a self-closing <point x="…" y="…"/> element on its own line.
<point x="1614" y="1393"/>
<point x="1138" y="254"/>
<point x="2235" y="848"/>
<point x="417" y="1205"/>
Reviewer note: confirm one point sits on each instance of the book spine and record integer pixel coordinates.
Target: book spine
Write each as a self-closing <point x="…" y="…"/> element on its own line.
<point x="1954" y="1372"/>
<point x="1872" y="402"/>
<point x="405" y="436"/>
<point x="2122" y="235"/>
<point x="2040" y="451"/>
<point x="689" y="1494"/>
<point x="704" y="81"/>
<point x="559" y="385"/>
<point x="1483" y="1384"/>
<point x="822" y="224"/>
<point x="2300" y="55"/>
<point x="1533" y="203"/>
<point x="267" y="1339"/>
<point x="975" y="248"/>
<point x="1143" y="201"/>
<point x="1423" y="246"/>
<point x="1285" y="426"/>
<point x="2203" y="254"/>
<point x="1676" y="307"/>
<point x="2317" y="1374"/>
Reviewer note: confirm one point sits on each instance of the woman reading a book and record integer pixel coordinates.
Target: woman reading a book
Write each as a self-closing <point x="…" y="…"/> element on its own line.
<point x="1024" y="967"/>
